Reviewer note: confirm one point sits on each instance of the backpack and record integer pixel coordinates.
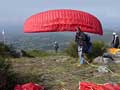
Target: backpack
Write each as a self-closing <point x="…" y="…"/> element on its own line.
<point x="88" y="44"/>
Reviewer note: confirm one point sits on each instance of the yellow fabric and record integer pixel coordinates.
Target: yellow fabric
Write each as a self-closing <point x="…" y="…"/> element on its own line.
<point x="113" y="50"/>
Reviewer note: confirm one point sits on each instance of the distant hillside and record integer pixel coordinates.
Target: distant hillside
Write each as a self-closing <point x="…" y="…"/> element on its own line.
<point x="16" y="37"/>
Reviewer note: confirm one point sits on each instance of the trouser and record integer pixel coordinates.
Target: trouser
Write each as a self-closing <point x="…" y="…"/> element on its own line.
<point x="56" y="50"/>
<point x="80" y="54"/>
<point x="115" y="45"/>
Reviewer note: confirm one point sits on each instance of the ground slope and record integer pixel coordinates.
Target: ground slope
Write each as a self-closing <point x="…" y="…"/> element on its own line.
<point x="58" y="72"/>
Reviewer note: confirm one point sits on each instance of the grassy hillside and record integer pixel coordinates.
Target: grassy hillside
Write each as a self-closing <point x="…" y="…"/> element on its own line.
<point x="56" y="72"/>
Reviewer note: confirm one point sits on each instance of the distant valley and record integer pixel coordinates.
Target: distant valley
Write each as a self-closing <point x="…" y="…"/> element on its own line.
<point x="44" y="41"/>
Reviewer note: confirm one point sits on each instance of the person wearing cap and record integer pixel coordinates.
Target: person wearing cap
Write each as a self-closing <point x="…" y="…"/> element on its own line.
<point x="56" y="46"/>
<point x="115" y="41"/>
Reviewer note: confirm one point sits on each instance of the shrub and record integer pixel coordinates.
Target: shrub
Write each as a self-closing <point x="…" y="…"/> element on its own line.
<point x="98" y="48"/>
<point x="26" y="54"/>
<point x="7" y="77"/>
<point x="4" y="49"/>
<point x="71" y="50"/>
<point x="9" y="51"/>
<point x="37" y="53"/>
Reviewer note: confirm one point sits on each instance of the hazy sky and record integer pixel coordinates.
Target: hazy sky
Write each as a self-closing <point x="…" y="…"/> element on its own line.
<point x="16" y="11"/>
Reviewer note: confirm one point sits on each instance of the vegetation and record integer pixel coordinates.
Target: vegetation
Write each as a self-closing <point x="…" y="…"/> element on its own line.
<point x="7" y="77"/>
<point x="71" y="50"/>
<point x="40" y="53"/>
<point x="98" y="48"/>
<point x="4" y="49"/>
<point x="61" y="72"/>
<point x="8" y="51"/>
<point x="54" y="71"/>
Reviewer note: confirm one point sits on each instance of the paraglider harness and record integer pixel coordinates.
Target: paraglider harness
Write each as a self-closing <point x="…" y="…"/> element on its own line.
<point x="83" y="39"/>
<point x="89" y="44"/>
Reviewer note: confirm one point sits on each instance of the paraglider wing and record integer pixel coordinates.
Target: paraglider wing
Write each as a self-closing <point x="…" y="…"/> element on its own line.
<point x="62" y="20"/>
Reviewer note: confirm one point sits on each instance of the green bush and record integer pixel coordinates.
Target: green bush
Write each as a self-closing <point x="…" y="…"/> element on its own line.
<point x="7" y="77"/>
<point x="71" y="50"/>
<point x="37" y="53"/>
<point x="4" y="49"/>
<point x="9" y="51"/>
<point x="98" y="48"/>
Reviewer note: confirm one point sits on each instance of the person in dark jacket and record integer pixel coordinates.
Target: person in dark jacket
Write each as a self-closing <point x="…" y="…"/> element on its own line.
<point x="81" y="40"/>
<point x="115" y="40"/>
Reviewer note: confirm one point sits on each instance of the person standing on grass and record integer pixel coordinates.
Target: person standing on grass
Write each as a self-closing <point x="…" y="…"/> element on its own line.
<point x="81" y="41"/>
<point x="115" y="40"/>
<point x="56" y="46"/>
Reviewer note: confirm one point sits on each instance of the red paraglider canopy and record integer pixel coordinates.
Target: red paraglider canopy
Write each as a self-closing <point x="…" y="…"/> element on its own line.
<point x="92" y="86"/>
<point x="62" y="20"/>
<point x="29" y="86"/>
